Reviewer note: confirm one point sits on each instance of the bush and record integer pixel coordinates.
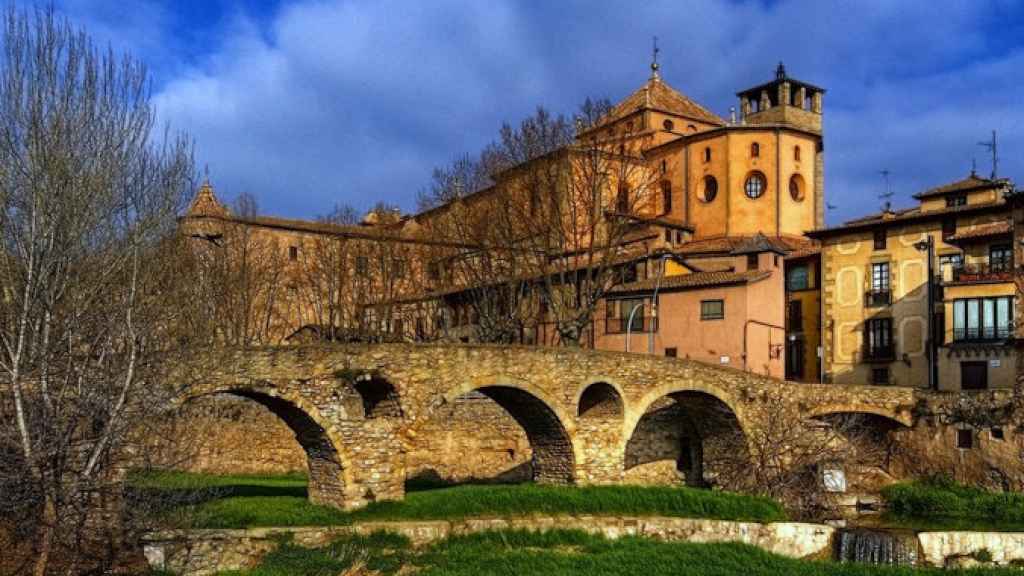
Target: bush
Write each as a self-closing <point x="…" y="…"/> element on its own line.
<point x="940" y="499"/>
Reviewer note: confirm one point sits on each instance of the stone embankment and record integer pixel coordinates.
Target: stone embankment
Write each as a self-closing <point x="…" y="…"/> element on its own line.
<point x="202" y="552"/>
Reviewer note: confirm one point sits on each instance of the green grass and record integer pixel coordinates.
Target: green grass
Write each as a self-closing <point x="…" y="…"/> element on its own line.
<point x="560" y="553"/>
<point x="245" y="501"/>
<point x="940" y="504"/>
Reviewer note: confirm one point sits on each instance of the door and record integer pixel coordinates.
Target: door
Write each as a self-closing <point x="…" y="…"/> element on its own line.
<point x="973" y="375"/>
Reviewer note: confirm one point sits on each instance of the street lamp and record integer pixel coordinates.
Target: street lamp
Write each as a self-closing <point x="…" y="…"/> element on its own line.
<point x="654" y="310"/>
<point x="928" y="246"/>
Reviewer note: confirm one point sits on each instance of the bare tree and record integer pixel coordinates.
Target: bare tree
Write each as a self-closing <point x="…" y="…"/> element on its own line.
<point x="786" y="456"/>
<point x="88" y="192"/>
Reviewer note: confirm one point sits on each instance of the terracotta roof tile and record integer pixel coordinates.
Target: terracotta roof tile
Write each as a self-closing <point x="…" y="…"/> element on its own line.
<point x="983" y="231"/>
<point x="737" y="244"/>
<point x="972" y="182"/>
<point x="900" y="217"/>
<point x="657" y="95"/>
<point x="695" y="280"/>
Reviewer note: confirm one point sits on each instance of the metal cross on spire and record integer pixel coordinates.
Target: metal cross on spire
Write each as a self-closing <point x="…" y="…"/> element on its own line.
<point x="654" y="59"/>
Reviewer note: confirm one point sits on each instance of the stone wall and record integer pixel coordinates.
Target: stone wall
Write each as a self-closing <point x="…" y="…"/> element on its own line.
<point x="203" y="552"/>
<point x="224" y="434"/>
<point x="474" y="439"/>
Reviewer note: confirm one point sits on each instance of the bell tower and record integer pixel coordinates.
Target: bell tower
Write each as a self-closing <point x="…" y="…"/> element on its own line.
<point x="784" y="100"/>
<point x="788" y="104"/>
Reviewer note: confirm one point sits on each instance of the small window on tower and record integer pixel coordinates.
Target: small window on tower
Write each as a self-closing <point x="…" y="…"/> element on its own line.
<point x="293" y="252"/>
<point x="755" y="150"/>
<point x="752" y="262"/>
<point x="796" y="153"/>
<point x="707" y="154"/>
<point x="666" y="196"/>
<point x="669" y="125"/>
<point x="664" y="166"/>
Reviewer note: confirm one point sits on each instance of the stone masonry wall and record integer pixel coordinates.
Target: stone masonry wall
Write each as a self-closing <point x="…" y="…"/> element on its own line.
<point x="204" y="552"/>
<point x="226" y="435"/>
<point x="474" y="440"/>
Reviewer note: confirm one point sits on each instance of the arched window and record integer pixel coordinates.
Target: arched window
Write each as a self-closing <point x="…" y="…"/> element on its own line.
<point x="691" y="128"/>
<point x="796" y="153"/>
<point x="666" y="196"/>
<point x="796" y="187"/>
<point x="707" y="154"/>
<point x="710" y="189"/>
<point x="669" y="125"/>
<point x="755" y="185"/>
<point x="755" y="150"/>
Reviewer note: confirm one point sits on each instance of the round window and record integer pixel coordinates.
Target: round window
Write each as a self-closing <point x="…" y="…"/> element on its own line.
<point x="756" y="185"/>
<point x="710" y="189"/>
<point x="669" y="125"/>
<point x="796" y="187"/>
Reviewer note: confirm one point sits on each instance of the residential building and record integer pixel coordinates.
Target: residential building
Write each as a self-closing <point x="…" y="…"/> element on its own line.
<point x="877" y="283"/>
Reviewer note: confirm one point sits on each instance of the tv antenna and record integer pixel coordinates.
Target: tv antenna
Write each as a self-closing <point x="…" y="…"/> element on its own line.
<point x="887" y="195"/>
<point x="991" y="147"/>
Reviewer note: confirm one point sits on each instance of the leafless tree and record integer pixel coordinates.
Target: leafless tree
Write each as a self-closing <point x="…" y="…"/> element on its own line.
<point x="88" y="193"/>
<point x="785" y="455"/>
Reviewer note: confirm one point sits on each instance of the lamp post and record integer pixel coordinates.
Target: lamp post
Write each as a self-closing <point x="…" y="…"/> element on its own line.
<point x="654" y="311"/>
<point x="654" y="304"/>
<point x="928" y="246"/>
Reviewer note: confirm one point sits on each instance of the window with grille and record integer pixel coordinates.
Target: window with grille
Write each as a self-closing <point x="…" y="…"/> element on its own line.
<point x="880" y="238"/>
<point x="755" y="185"/>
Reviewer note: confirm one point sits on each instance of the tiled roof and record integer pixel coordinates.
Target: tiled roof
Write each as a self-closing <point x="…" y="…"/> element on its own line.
<point x="904" y="216"/>
<point x="695" y="280"/>
<point x="729" y="244"/>
<point x="972" y="182"/>
<point x="657" y="95"/>
<point x="206" y="204"/>
<point x="983" y="231"/>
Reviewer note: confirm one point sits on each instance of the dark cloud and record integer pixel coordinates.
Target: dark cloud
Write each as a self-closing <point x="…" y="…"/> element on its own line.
<point x="325" y="101"/>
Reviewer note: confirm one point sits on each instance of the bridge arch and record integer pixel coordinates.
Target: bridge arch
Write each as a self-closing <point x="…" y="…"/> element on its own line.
<point x="684" y="431"/>
<point x="901" y="418"/>
<point x="328" y="461"/>
<point x="600" y="400"/>
<point x="546" y="425"/>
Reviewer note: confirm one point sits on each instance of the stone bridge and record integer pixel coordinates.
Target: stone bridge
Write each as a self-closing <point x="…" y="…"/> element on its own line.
<point x="355" y="409"/>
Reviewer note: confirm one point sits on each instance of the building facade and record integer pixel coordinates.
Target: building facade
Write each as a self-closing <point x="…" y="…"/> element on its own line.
<point x="892" y="316"/>
<point x="714" y="265"/>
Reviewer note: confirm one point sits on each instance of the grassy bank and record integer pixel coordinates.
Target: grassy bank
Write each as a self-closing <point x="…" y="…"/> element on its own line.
<point x="558" y="553"/>
<point x="244" y="501"/>
<point x="942" y="504"/>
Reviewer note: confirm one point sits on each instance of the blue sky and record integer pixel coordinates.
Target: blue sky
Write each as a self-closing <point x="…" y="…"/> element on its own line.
<point x="309" y="103"/>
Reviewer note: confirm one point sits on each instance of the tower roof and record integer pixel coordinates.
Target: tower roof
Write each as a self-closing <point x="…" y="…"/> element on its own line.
<point x="206" y="203"/>
<point x="780" y="76"/>
<point x="655" y="94"/>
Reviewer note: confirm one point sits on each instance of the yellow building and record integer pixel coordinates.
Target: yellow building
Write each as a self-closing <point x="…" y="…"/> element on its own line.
<point x="876" y="290"/>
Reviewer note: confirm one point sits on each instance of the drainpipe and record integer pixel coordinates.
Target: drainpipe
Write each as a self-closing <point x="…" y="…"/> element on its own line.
<point x="747" y="324"/>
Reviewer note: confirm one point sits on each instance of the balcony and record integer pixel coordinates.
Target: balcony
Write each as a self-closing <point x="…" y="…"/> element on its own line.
<point x="983" y="334"/>
<point x="877" y="298"/>
<point x="885" y="353"/>
<point x="983" y="273"/>
<point x="641" y="325"/>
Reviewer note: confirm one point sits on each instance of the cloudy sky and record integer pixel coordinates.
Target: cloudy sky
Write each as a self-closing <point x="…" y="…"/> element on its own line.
<point x="310" y="103"/>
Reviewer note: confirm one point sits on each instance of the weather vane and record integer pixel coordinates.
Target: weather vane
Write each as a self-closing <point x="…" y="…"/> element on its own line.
<point x="888" y="192"/>
<point x="991" y="146"/>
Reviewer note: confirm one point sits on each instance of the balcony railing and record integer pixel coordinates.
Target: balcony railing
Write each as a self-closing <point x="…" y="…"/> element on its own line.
<point x="982" y="334"/>
<point x="641" y="325"/>
<point x="877" y="298"/>
<point x="986" y="272"/>
<point x="880" y="353"/>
